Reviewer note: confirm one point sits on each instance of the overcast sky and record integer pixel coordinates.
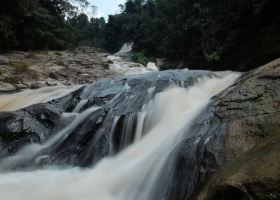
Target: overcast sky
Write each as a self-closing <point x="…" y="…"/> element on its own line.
<point x="106" y="7"/>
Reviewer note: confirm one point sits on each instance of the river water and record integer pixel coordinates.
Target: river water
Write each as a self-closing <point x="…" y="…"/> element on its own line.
<point x="131" y="174"/>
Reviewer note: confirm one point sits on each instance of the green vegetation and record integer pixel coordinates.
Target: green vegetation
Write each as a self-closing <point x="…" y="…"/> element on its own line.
<point x="215" y="34"/>
<point x="141" y="58"/>
<point x="208" y="34"/>
<point x="39" y="24"/>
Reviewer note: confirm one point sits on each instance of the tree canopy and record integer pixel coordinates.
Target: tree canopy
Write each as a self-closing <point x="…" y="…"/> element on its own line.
<point x="208" y="34"/>
<point x="38" y="24"/>
<point x="201" y="33"/>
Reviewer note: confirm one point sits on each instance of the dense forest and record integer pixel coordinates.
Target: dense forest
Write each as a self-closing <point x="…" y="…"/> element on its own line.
<point x="215" y="34"/>
<point x="44" y="24"/>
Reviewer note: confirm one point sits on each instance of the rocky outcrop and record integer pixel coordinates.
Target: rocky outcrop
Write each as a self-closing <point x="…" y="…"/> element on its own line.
<point x="27" y="69"/>
<point x="237" y="140"/>
<point x="88" y="141"/>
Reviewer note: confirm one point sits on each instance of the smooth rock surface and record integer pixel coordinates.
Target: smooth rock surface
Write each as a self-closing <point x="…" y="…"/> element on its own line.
<point x="240" y="133"/>
<point x="123" y="96"/>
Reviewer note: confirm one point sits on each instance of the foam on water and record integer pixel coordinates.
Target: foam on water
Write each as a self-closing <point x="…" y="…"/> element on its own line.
<point x="132" y="173"/>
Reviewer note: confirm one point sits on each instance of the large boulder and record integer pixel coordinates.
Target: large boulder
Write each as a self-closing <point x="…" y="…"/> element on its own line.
<point x="235" y="142"/>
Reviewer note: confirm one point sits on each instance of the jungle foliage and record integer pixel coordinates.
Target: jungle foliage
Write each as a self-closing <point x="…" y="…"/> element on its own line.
<point x="236" y="34"/>
<point x="43" y="24"/>
<point x="208" y="34"/>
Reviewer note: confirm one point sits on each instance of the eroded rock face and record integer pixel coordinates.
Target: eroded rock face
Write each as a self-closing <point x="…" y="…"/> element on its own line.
<point x="239" y="133"/>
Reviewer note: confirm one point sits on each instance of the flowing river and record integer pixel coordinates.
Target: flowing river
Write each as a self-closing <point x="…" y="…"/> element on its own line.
<point x="135" y="165"/>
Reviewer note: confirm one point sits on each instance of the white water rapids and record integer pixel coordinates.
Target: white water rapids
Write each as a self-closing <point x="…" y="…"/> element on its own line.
<point x="121" y="62"/>
<point x="132" y="173"/>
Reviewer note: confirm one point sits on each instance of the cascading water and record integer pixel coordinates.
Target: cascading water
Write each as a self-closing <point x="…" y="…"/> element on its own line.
<point x="130" y="173"/>
<point x="126" y="48"/>
<point x="122" y="62"/>
<point x="25" y="98"/>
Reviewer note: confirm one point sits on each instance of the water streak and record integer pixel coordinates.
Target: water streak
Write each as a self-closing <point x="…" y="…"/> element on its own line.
<point x="11" y="102"/>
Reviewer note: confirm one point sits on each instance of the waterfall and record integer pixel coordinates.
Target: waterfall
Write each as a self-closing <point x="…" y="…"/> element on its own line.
<point x="132" y="173"/>
<point x="122" y="62"/>
<point x="126" y="48"/>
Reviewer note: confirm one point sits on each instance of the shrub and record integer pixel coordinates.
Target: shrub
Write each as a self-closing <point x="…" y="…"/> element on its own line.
<point x="213" y="57"/>
<point x="141" y="58"/>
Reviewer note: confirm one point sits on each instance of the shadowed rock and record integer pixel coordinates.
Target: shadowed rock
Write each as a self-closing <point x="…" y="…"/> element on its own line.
<point x="237" y="136"/>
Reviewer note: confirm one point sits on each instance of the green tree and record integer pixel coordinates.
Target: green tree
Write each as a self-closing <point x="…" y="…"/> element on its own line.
<point x="37" y="24"/>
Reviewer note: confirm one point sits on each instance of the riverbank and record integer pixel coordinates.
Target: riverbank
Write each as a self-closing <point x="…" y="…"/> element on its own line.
<point x="36" y="69"/>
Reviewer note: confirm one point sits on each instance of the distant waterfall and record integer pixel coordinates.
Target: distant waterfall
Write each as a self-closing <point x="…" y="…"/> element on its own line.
<point x="129" y="174"/>
<point x="126" y="48"/>
<point x="122" y="62"/>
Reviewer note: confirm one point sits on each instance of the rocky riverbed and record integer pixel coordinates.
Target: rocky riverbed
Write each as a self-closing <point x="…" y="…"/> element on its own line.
<point x="230" y="152"/>
<point x="36" y="69"/>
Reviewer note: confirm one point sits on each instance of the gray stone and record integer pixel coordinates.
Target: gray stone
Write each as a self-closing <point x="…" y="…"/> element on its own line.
<point x="6" y="87"/>
<point x="51" y="83"/>
<point x="21" y="86"/>
<point x="37" y="85"/>
<point x="4" y="60"/>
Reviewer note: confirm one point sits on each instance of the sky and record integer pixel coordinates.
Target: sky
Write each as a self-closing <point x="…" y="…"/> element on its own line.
<point x="106" y="7"/>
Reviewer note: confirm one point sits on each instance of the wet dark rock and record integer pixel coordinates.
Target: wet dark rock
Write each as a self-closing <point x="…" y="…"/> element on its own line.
<point x="30" y="125"/>
<point x="53" y="75"/>
<point x="88" y="142"/>
<point x="235" y="139"/>
<point x="37" y="85"/>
